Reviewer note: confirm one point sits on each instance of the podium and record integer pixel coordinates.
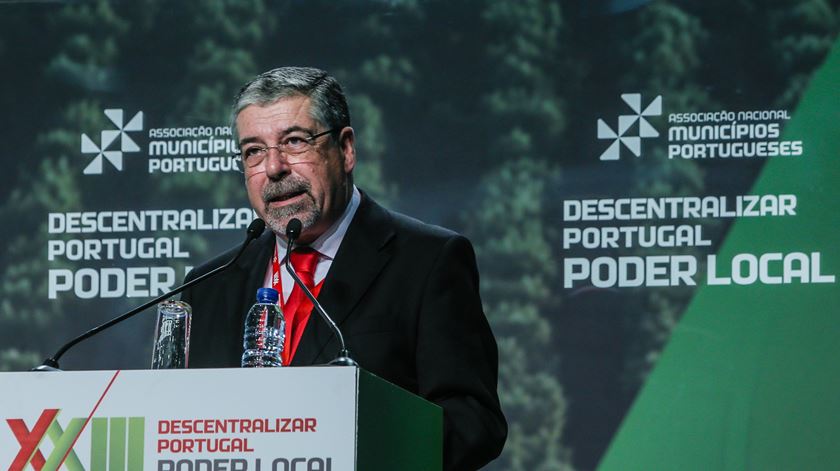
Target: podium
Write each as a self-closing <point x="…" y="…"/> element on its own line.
<point x="274" y="419"/>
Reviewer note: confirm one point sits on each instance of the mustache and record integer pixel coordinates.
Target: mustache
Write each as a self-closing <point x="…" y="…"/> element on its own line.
<point x="278" y="189"/>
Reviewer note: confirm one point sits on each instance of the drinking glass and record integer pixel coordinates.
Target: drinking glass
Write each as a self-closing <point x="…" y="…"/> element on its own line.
<point x="172" y="335"/>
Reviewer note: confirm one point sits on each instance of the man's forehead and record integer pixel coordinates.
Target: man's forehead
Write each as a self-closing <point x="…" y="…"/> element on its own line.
<point x="286" y="112"/>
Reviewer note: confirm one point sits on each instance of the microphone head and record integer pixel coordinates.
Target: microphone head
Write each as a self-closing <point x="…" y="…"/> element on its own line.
<point x="256" y="228"/>
<point x="293" y="229"/>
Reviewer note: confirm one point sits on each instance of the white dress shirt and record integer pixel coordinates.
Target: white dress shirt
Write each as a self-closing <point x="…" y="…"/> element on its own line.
<point x="326" y="244"/>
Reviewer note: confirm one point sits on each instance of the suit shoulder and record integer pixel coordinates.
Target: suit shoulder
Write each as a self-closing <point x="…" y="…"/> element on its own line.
<point x="381" y="224"/>
<point x="434" y="244"/>
<point x="212" y="264"/>
<point x="417" y="230"/>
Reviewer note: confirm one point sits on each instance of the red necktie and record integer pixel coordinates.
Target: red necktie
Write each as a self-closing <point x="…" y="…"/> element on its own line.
<point x="299" y="307"/>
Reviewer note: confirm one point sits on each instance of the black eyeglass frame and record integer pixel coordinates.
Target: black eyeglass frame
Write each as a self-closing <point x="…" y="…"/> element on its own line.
<point x="240" y="160"/>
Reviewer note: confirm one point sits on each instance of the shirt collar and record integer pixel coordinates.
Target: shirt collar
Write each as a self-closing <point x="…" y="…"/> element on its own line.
<point x="327" y="243"/>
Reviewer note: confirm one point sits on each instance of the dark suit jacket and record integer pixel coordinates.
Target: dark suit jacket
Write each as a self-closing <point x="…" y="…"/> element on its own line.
<point x="405" y="295"/>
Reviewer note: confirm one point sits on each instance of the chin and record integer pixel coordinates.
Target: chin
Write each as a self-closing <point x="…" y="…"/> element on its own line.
<point x="278" y="219"/>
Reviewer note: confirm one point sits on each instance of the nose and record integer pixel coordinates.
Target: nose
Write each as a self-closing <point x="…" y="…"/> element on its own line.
<point x="276" y="164"/>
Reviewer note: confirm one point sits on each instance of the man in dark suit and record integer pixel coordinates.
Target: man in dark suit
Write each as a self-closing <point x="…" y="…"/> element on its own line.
<point x="404" y="293"/>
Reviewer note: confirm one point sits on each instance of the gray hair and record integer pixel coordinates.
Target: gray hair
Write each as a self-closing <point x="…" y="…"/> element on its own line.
<point x="329" y="106"/>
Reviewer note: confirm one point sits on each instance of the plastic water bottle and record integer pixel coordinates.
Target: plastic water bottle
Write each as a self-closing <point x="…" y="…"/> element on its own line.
<point x="265" y="331"/>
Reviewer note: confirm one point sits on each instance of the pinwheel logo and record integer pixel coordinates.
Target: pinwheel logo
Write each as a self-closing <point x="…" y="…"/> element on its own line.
<point x="628" y="134"/>
<point x="116" y="443"/>
<point x="112" y="142"/>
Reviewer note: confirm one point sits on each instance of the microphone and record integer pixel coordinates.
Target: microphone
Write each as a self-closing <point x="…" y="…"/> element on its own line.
<point x="255" y="229"/>
<point x="343" y="358"/>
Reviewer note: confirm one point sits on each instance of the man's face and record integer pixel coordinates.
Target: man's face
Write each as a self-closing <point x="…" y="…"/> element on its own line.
<point x="316" y="189"/>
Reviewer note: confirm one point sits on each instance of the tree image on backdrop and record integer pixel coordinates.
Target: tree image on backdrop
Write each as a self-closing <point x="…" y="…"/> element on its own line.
<point x="477" y="115"/>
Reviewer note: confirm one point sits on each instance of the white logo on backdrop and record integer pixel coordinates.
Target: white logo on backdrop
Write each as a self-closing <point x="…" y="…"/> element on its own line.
<point x="625" y="123"/>
<point x="108" y="137"/>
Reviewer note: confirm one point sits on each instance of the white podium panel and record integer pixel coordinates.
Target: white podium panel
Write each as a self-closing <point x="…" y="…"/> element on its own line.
<point x="284" y="419"/>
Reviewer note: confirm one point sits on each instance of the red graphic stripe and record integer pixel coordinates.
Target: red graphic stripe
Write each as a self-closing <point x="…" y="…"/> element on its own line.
<point x="29" y="440"/>
<point x="107" y="388"/>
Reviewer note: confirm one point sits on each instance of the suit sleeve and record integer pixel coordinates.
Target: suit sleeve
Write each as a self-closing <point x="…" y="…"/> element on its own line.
<point x="457" y="359"/>
<point x="187" y="294"/>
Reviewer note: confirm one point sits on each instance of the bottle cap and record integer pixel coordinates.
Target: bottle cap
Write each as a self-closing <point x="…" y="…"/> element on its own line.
<point x="267" y="296"/>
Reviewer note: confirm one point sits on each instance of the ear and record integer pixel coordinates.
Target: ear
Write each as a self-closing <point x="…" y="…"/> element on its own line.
<point x="347" y="147"/>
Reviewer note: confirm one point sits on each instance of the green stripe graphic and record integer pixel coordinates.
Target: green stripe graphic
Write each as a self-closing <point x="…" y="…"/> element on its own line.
<point x="136" y="432"/>
<point x="99" y="444"/>
<point x="749" y="379"/>
<point x="62" y="441"/>
<point x="116" y="444"/>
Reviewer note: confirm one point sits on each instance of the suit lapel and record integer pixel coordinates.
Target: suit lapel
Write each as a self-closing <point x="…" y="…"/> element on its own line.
<point x="219" y="316"/>
<point x="254" y="266"/>
<point x="360" y="258"/>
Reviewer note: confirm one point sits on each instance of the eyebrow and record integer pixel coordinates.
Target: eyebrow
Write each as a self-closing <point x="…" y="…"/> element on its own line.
<point x="284" y="132"/>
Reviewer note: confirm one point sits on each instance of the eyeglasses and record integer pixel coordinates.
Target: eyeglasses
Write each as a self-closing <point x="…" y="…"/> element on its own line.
<point x="294" y="146"/>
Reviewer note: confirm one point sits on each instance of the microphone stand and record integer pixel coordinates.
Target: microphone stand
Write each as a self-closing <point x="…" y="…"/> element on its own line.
<point x="343" y="358"/>
<point x="51" y="364"/>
